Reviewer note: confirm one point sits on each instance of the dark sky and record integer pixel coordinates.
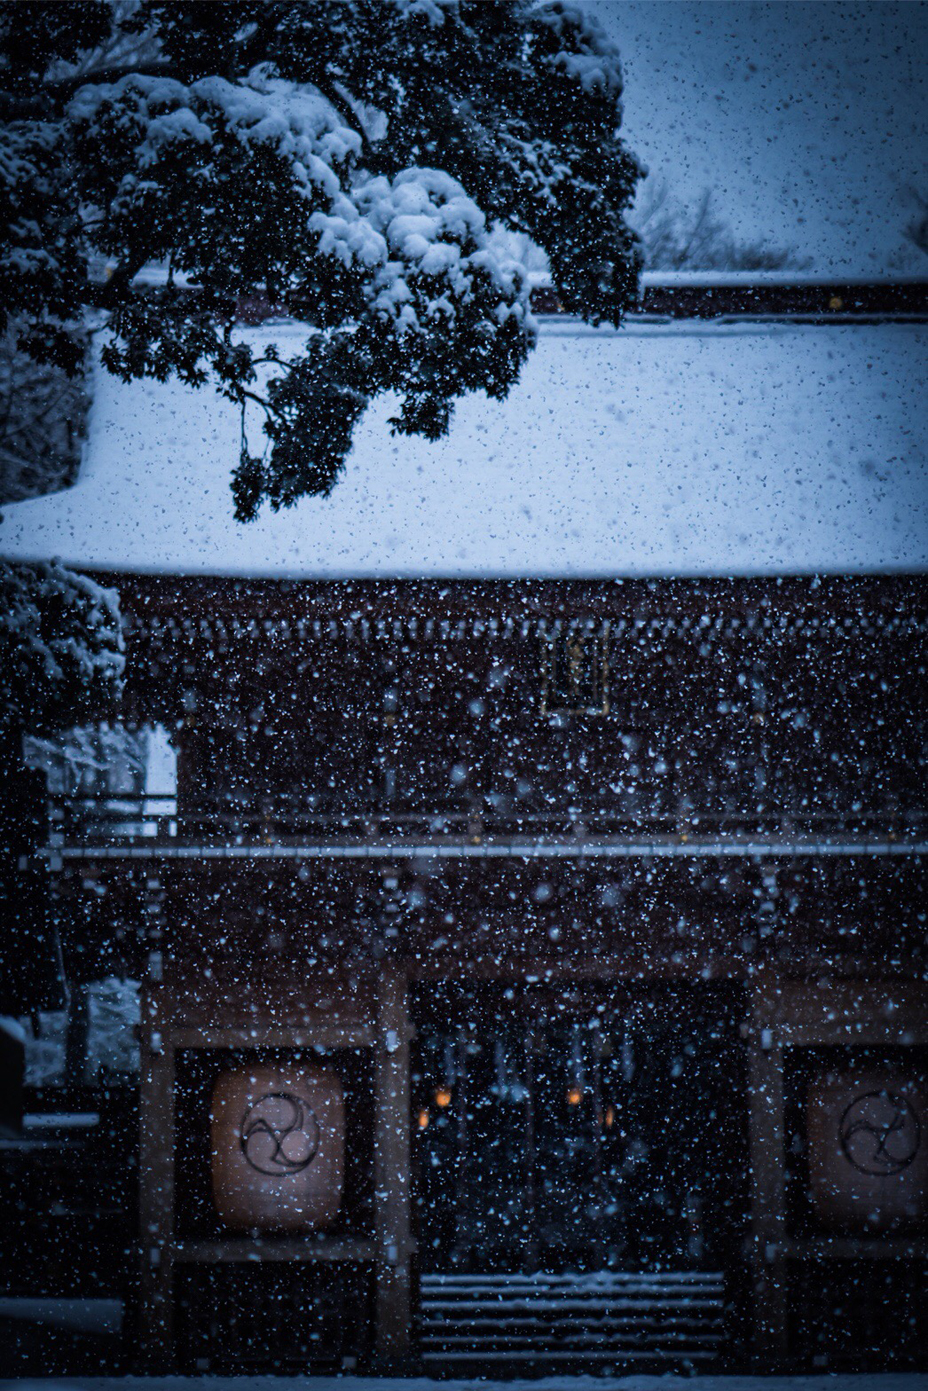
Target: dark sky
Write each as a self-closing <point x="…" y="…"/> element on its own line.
<point x="808" y="118"/>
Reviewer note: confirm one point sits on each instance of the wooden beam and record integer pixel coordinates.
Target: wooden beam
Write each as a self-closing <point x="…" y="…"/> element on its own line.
<point x="274" y="1036"/>
<point x="156" y="1193"/>
<point x="851" y="1034"/>
<point x="639" y="968"/>
<point x="306" y="1249"/>
<point x="770" y="1333"/>
<point x="392" y="1172"/>
<point x="849" y="1248"/>
<point x="816" y="1011"/>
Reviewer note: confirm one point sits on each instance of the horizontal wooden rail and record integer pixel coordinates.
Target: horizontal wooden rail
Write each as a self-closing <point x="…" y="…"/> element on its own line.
<point x="124" y="820"/>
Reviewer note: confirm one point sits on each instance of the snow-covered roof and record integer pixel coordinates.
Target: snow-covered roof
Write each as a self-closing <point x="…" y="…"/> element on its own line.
<point x="681" y="449"/>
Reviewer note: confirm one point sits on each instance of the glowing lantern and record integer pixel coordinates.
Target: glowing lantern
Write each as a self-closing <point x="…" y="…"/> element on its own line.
<point x="443" y="1098"/>
<point x="278" y="1146"/>
<point x="574" y="1096"/>
<point x="868" y="1149"/>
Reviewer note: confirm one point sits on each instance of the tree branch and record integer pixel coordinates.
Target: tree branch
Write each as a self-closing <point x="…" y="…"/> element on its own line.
<point x="345" y="110"/>
<point x="244" y="395"/>
<point x="65" y="87"/>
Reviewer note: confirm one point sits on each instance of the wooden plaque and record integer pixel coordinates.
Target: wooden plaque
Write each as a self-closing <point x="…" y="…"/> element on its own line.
<point x="278" y="1147"/>
<point x="868" y="1149"/>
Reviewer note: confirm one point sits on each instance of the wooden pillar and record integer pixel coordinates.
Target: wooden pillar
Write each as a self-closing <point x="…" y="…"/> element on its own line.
<point x="77" y="1037"/>
<point x="770" y="1345"/>
<point x="392" y="1171"/>
<point x="532" y="1254"/>
<point x="156" y="1193"/>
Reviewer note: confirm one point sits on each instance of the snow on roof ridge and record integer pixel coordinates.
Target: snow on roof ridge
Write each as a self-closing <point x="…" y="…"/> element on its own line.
<point x="679" y="449"/>
<point x="155" y="275"/>
<point x="541" y="280"/>
<point x="736" y="278"/>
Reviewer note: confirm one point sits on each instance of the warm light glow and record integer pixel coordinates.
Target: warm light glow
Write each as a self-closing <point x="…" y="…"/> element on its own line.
<point x="609" y="1117"/>
<point x="423" y="1119"/>
<point x="574" y="1096"/>
<point x="442" y="1097"/>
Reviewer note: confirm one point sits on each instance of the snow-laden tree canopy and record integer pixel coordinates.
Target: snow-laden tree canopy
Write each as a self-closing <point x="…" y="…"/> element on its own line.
<point x="348" y="160"/>
<point x="61" y="649"/>
<point x="42" y="415"/>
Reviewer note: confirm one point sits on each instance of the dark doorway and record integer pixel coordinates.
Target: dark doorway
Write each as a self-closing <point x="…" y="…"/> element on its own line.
<point x="579" y="1128"/>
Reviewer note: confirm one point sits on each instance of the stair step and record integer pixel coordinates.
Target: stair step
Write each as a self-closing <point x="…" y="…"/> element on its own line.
<point x="651" y="1355"/>
<point x="490" y="1327"/>
<point x="612" y="1278"/>
<point x="461" y="1306"/>
<point x="577" y="1335"/>
<point x="574" y="1282"/>
<point x="551" y="1318"/>
<point x="616" y="1316"/>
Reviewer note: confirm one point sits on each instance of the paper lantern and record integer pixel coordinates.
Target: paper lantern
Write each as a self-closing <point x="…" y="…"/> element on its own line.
<point x="278" y="1147"/>
<point x="868" y="1149"/>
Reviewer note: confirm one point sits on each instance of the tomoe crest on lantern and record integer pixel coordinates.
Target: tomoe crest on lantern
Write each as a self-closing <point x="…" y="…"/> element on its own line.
<point x="868" y="1161"/>
<point x="880" y="1133"/>
<point x="278" y="1142"/>
<point x="280" y="1134"/>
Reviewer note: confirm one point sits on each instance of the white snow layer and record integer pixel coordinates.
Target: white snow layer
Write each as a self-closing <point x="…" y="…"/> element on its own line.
<point x="678" y="449"/>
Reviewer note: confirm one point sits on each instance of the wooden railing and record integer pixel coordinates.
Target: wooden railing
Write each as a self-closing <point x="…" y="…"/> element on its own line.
<point x="115" y="820"/>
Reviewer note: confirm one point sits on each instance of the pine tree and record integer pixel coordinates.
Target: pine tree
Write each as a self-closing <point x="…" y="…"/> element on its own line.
<point x="348" y="160"/>
<point x="61" y="661"/>
<point x="61" y="649"/>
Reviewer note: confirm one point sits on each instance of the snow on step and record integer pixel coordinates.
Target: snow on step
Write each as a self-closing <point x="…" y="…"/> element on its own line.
<point x="675" y="1316"/>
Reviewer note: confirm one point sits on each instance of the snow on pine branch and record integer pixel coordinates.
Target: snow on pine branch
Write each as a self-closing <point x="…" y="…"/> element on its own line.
<point x="588" y="54"/>
<point x="345" y="158"/>
<point x="61" y="647"/>
<point x="42" y="418"/>
<point x="152" y="115"/>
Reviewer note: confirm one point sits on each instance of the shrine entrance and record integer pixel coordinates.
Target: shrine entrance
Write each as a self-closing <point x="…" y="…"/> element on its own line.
<point x="578" y="1128"/>
<point x="580" y="1162"/>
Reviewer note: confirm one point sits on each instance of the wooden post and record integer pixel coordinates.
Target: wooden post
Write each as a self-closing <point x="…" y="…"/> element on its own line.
<point x="391" y="1171"/>
<point x="768" y="1200"/>
<point x="531" y="1257"/>
<point x="77" y="1036"/>
<point x="156" y="1192"/>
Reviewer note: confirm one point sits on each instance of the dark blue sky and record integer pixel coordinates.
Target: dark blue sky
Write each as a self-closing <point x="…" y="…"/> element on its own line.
<point x="809" y="118"/>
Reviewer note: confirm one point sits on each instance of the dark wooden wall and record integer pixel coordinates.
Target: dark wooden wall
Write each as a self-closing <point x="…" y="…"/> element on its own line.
<point x="314" y="717"/>
<point x="749" y="701"/>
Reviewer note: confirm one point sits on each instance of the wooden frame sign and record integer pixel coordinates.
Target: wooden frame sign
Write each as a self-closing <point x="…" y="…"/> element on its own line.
<point x="868" y="1149"/>
<point x="278" y="1147"/>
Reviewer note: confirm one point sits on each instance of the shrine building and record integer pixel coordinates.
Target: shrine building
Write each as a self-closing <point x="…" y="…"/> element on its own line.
<point x="532" y="943"/>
